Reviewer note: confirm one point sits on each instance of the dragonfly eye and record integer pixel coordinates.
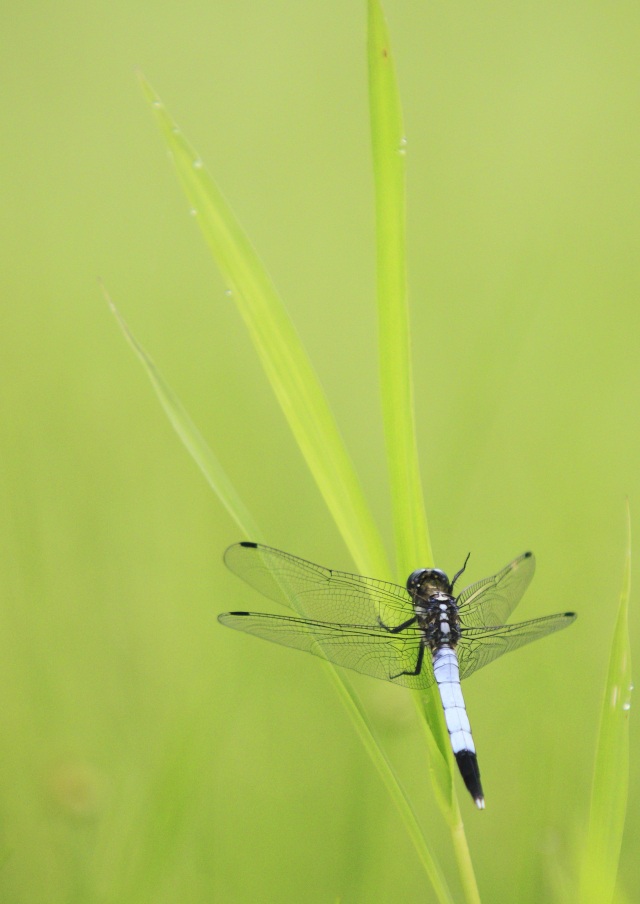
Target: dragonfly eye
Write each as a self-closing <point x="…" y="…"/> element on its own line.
<point x="427" y="581"/>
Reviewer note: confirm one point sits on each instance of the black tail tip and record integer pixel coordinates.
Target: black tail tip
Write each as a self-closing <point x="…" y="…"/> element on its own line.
<point x="468" y="766"/>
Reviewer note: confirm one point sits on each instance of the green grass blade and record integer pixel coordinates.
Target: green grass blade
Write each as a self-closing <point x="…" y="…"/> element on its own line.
<point x="222" y="486"/>
<point x="280" y="350"/>
<point x="413" y="546"/>
<point x="195" y="443"/>
<point x="611" y="771"/>
<point x="396" y="791"/>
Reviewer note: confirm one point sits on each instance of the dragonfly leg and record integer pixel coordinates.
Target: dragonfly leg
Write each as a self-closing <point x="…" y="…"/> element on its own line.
<point x="417" y="669"/>
<point x="397" y="628"/>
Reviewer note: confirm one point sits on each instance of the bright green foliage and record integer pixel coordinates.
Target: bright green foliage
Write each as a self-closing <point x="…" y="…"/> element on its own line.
<point x="147" y="756"/>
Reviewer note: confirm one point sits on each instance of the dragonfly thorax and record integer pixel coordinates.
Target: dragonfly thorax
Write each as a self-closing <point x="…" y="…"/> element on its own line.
<point x="438" y="620"/>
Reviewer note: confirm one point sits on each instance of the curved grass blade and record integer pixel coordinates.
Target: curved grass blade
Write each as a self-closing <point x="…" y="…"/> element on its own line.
<point x="224" y="489"/>
<point x="195" y="443"/>
<point x="279" y="348"/>
<point x="396" y="791"/>
<point x="611" y="771"/>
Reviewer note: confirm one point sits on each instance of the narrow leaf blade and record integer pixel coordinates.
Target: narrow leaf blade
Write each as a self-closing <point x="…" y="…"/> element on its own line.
<point x="193" y="440"/>
<point x="222" y="486"/>
<point x="413" y="546"/>
<point x="281" y="353"/>
<point x="611" y="771"/>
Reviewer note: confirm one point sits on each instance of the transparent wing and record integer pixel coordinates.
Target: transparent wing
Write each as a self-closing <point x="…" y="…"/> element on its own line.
<point x="480" y="646"/>
<point x="492" y="600"/>
<point x="317" y="592"/>
<point x="372" y="651"/>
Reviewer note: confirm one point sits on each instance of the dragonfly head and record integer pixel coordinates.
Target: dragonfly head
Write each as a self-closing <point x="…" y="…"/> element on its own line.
<point x="427" y="581"/>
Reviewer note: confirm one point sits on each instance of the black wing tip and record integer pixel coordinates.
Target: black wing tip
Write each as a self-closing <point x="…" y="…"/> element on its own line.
<point x="527" y="555"/>
<point x="570" y="614"/>
<point x="237" y="613"/>
<point x="248" y="544"/>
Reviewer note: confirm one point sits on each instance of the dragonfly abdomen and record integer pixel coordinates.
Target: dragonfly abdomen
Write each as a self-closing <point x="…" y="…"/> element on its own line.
<point x="447" y="674"/>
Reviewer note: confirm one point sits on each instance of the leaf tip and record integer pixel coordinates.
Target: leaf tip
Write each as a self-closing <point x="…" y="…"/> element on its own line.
<point x="111" y="303"/>
<point x="149" y="93"/>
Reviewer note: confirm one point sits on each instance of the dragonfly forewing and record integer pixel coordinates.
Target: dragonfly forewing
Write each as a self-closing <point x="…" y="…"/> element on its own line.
<point x="316" y="592"/>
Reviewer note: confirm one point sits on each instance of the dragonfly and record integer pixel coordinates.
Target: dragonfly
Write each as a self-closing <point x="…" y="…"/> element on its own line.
<point x="414" y="636"/>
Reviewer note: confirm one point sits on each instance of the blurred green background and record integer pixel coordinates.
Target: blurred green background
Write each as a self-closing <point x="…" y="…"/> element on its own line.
<point x="147" y="755"/>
